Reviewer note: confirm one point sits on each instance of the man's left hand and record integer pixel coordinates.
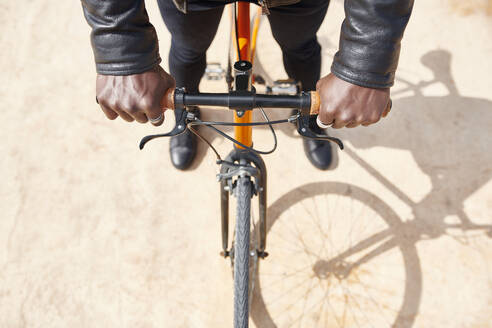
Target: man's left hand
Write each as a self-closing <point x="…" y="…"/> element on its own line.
<point x="343" y="104"/>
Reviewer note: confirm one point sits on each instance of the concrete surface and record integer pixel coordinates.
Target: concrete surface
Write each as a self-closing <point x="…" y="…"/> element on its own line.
<point x="95" y="233"/>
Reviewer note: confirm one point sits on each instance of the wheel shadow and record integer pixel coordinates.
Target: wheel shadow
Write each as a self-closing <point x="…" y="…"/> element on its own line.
<point x="397" y="234"/>
<point x="449" y="137"/>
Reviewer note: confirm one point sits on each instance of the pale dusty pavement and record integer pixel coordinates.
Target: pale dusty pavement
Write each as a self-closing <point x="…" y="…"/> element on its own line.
<point x="95" y="233"/>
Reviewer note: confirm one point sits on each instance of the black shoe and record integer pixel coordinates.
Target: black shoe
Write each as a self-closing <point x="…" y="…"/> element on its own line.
<point x="319" y="152"/>
<point x="183" y="148"/>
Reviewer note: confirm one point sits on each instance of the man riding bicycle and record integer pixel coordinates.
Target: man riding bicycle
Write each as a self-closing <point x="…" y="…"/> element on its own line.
<point x="131" y="84"/>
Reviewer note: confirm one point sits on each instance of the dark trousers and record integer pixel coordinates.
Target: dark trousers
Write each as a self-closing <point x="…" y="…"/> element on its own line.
<point x="294" y="28"/>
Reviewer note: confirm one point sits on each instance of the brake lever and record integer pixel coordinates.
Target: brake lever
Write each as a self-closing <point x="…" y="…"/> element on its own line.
<point x="179" y="127"/>
<point x="304" y="130"/>
<point x="302" y="122"/>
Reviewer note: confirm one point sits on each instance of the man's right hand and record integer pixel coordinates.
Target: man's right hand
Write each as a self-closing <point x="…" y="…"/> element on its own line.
<point x="135" y="97"/>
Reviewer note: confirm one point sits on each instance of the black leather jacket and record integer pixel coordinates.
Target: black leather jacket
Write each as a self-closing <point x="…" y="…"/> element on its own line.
<point x="124" y="41"/>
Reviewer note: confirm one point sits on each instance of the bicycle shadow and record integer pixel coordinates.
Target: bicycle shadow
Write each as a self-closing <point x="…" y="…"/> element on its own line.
<point x="449" y="138"/>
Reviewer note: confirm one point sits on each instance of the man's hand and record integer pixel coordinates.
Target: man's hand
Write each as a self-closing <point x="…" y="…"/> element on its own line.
<point x="134" y="97"/>
<point x="344" y="104"/>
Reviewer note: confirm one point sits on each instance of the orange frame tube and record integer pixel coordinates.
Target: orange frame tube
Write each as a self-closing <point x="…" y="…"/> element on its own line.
<point x="254" y="33"/>
<point x="244" y="134"/>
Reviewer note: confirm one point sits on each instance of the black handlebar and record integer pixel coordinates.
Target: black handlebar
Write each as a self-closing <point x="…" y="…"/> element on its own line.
<point x="241" y="100"/>
<point x="307" y="103"/>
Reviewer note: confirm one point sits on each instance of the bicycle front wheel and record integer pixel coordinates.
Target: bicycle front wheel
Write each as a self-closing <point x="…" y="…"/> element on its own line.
<point x="242" y="253"/>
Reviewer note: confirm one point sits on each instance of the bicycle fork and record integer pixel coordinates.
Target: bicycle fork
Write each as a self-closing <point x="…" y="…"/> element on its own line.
<point x="250" y="164"/>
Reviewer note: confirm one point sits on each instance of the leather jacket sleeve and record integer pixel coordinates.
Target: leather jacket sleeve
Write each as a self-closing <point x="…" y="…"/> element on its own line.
<point x="123" y="40"/>
<point x="370" y="41"/>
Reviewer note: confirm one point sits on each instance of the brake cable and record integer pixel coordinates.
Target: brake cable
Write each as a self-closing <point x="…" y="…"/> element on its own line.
<point x="189" y="120"/>
<point x="212" y="124"/>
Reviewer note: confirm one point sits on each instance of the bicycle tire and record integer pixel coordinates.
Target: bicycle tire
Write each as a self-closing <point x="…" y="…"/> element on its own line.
<point x="242" y="253"/>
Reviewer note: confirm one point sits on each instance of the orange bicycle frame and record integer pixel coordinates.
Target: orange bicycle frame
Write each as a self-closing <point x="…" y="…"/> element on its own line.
<point x="247" y="45"/>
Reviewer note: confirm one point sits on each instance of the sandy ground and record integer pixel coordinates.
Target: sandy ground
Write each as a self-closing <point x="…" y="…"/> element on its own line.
<point x="95" y="233"/>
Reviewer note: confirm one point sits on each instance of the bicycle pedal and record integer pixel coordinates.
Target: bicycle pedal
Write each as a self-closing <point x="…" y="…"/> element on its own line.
<point x="225" y="254"/>
<point x="214" y="72"/>
<point x="284" y="87"/>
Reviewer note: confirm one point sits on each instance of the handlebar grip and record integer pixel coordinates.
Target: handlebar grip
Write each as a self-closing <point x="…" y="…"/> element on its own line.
<point x="315" y="103"/>
<point x="167" y="102"/>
